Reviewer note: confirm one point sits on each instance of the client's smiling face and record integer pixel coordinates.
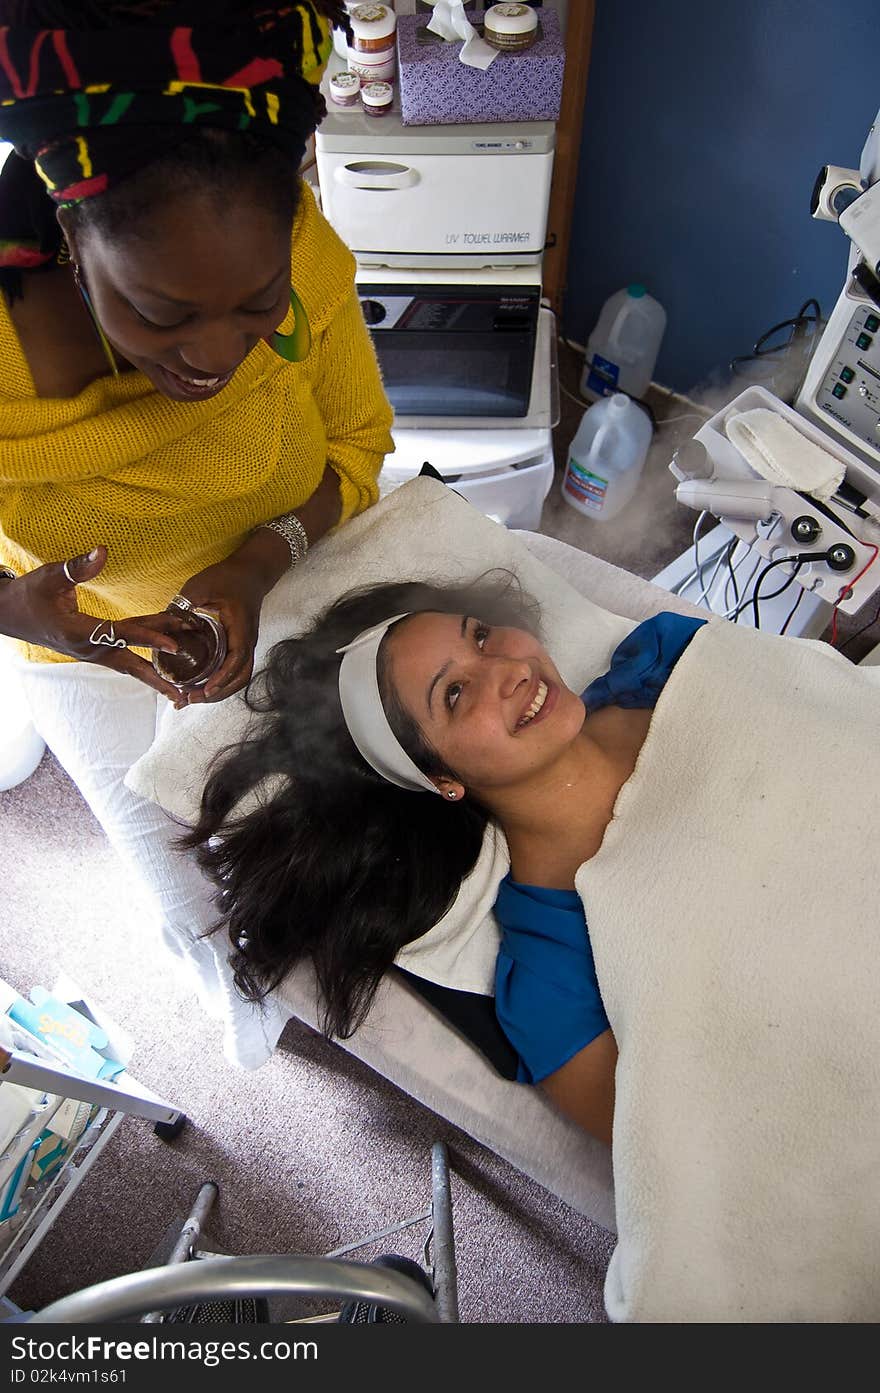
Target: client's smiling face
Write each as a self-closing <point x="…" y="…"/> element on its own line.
<point x="489" y="700"/>
<point x="189" y="295"/>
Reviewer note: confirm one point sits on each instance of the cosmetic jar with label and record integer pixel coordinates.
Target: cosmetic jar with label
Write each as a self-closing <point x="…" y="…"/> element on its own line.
<point x="377" y="98"/>
<point x="201" y="650"/>
<point x="345" y="89"/>
<point x="372" y="53"/>
<point x="384" y="71"/>
<point x="512" y="28"/>
<point x="372" y="28"/>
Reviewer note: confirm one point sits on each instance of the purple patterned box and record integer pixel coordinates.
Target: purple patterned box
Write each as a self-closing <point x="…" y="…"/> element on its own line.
<point x="436" y="88"/>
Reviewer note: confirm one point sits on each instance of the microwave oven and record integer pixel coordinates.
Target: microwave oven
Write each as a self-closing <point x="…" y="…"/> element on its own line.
<point x="455" y="350"/>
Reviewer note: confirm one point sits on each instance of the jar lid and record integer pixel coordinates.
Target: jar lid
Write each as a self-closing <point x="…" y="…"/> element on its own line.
<point x="377" y="93"/>
<point x="345" y="83"/>
<point x="511" y="19"/>
<point x="372" y="21"/>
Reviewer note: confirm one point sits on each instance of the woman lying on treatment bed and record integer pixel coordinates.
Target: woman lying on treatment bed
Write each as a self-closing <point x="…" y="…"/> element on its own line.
<point x="690" y="839"/>
<point x="350" y="859"/>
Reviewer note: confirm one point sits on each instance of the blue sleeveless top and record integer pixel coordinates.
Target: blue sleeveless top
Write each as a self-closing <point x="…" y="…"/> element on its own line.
<point x="546" y="993"/>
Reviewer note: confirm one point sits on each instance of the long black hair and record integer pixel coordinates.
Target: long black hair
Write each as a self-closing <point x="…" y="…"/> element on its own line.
<point x="313" y="854"/>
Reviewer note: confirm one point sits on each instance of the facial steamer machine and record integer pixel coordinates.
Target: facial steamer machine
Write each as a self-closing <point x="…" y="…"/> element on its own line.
<point x="799" y="487"/>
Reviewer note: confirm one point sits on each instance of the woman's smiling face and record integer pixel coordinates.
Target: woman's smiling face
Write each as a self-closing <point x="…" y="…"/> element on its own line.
<point x="489" y="700"/>
<point x="188" y="296"/>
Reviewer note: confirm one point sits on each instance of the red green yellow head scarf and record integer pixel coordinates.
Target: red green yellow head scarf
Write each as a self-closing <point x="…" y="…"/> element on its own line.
<point x="85" y="107"/>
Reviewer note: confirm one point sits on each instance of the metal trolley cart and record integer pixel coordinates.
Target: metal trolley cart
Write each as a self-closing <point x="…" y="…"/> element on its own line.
<point x="200" y="1286"/>
<point x="39" y="1201"/>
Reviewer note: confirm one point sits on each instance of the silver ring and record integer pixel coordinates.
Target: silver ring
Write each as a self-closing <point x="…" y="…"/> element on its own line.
<point x="107" y="639"/>
<point x="181" y="602"/>
<point x="67" y="573"/>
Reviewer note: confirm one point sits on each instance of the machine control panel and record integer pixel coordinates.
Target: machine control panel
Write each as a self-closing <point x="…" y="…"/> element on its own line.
<point x="850" y="390"/>
<point x="503" y="147"/>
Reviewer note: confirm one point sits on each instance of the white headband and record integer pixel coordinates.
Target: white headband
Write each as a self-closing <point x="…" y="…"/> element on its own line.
<point x="365" y="716"/>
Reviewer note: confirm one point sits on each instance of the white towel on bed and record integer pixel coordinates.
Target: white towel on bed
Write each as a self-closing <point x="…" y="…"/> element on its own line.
<point x="732" y="913"/>
<point x="421" y="531"/>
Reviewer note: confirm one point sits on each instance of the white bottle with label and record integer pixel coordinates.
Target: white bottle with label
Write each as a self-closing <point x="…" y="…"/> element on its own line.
<point x="606" y="457"/>
<point x="622" y="349"/>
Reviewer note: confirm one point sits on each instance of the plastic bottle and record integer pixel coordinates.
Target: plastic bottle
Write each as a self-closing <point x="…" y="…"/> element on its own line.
<point x="606" y="457"/>
<point x="622" y="349"/>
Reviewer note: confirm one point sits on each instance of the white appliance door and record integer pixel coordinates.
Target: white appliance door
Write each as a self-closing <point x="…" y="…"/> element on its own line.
<point x="491" y="209"/>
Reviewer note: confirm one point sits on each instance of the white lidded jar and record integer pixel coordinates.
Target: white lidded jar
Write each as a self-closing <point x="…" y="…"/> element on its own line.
<point x="622" y="349"/>
<point x="376" y="98"/>
<point x="512" y="28"/>
<point x="606" y="457"/>
<point x="345" y="89"/>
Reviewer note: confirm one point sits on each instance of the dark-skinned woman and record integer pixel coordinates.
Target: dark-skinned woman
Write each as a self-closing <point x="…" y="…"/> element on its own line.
<point x="188" y="394"/>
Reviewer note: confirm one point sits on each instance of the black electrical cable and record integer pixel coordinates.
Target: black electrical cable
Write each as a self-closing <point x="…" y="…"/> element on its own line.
<point x="793" y="610"/>
<point x="860" y="631"/>
<point x="773" y="593"/>
<point x="611" y="386"/>
<point x="780" y="561"/>
<point x="731" y="548"/>
<point x="798" y="558"/>
<point x="799" y="326"/>
<point x="646" y="406"/>
<point x="828" y="512"/>
<point x="796" y="323"/>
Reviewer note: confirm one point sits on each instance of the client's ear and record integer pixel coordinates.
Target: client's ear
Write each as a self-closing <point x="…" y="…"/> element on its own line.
<point x="451" y="789"/>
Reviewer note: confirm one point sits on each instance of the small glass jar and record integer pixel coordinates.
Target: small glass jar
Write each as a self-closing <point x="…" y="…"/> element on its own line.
<point x="512" y="28"/>
<point x="345" y="89"/>
<point x="376" y="98"/>
<point x="372" y="28"/>
<point x="201" y="650"/>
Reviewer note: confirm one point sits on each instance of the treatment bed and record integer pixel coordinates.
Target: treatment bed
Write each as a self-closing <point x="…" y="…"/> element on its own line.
<point x="425" y="530"/>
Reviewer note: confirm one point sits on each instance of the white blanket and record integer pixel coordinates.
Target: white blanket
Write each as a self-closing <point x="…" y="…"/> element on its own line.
<point x="732" y="912"/>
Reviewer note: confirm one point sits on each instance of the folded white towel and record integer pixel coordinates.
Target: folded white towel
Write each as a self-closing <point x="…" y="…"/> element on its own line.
<point x="460" y="950"/>
<point x="778" y="451"/>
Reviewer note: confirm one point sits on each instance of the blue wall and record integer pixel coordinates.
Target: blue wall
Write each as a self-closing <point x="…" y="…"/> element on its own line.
<point x="704" y="128"/>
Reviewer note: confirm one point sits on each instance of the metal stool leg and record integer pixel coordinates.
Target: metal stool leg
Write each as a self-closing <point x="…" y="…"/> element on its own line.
<point x="445" y="1274"/>
<point x="189" y="1236"/>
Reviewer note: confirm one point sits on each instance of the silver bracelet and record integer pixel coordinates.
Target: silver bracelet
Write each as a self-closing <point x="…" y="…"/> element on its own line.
<point x="6" y="574"/>
<point x="291" y="529"/>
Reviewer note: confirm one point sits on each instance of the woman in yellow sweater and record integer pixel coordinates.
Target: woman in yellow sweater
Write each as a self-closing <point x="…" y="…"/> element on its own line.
<point x="189" y="396"/>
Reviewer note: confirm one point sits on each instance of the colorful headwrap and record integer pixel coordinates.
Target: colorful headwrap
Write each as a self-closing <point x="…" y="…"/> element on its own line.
<point x="85" y="107"/>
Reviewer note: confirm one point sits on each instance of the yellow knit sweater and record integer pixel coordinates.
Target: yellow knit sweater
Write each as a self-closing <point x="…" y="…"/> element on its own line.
<point x="171" y="487"/>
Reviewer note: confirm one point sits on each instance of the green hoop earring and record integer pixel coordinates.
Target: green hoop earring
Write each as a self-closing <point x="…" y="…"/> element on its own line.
<point x="295" y="346"/>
